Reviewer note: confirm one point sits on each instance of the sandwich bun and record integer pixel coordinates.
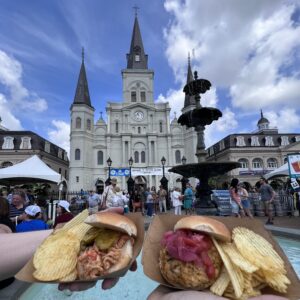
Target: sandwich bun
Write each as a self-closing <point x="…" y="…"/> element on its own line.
<point x="205" y="225"/>
<point x="112" y="221"/>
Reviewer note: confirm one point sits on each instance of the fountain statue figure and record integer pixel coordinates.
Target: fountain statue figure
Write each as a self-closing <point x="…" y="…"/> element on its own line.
<point x="203" y="170"/>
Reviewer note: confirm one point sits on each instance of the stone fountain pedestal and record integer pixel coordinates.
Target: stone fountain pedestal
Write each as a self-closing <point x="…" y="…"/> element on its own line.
<point x="198" y="118"/>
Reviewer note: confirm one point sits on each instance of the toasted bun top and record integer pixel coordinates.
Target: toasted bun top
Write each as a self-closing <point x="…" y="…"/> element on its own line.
<point x="112" y="221"/>
<point x="207" y="225"/>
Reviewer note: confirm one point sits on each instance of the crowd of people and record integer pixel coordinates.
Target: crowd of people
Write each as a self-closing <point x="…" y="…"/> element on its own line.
<point x="240" y="203"/>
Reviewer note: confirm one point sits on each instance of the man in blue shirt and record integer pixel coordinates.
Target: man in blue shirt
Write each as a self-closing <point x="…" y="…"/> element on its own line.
<point x="32" y="220"/>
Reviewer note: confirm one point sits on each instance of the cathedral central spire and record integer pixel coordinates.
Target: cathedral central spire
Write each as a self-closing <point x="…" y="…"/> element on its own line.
<point x="137" y="59"/>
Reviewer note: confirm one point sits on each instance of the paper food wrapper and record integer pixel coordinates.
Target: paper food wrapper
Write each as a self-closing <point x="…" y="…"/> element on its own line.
<point x="25" y="274"/>
<point x="163" y="223"/>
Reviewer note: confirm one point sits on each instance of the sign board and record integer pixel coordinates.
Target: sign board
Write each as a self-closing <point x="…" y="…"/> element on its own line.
<point x="119" y="172"/>
<point x="137" y="171"/>
<point x="294" y="165"/>
<point x="148" y="171"/>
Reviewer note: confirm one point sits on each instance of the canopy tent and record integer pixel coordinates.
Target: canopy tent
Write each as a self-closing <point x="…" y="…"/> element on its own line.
<point x="31" y="170"/>
<point x="281" y="171"/>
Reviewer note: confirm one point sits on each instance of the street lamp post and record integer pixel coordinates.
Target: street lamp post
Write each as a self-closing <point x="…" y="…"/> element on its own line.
<point x="184" y="180"/>
<point x="109" y="162"/>
<point x="164" y="180"/>
<point x="130" y="181"/>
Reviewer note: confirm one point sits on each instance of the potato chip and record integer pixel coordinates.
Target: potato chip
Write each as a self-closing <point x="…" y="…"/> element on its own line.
<point x="69" y="277"/>
<point x="56" y="257"/>
<point x="80" y="230"/>
<point x="77" y="220"/>
<point x="221" y="283"/>
<point x="279" y="282"/>
<point x="248" y="243"/>
<point x="38" y="257"/>
<point x="237" y="258"/>
<point x="235" y="274"/>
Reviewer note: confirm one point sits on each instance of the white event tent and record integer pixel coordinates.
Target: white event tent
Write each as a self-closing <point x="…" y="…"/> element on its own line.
<point x="32" y="169"/>
<point x="281" y="171"/>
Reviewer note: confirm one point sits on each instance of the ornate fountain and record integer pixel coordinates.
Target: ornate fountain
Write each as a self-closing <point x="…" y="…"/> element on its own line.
<point x="203" y="170"/>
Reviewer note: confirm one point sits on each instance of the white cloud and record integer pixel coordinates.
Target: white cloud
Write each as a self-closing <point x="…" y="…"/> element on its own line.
<point x="60" y="134"/>
<point x="244" y="46"/>
<point x="286" y="120"/>
<point x="19" y="98"/>
<point x="9" y="121"/>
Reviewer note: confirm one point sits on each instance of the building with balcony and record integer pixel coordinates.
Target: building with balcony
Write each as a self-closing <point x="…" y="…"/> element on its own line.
<point x="258" y="152"/>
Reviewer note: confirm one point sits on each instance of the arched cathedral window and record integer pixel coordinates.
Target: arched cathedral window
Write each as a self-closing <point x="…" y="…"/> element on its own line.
<point x="133" y="96"/>
<point x="100" y="157"/>
<point x="117" y="126"/>
<point x="143" y="157"/>
<point x="136" y="157"/>
<point x="78" y="123"/>
<point x="88" y="124"/>
<point x="77" y="154"/>
<point x="160" y="127"/>
<point x="177" y="157"/>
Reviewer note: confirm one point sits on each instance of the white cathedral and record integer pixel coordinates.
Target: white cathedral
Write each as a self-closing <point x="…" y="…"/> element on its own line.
<point x="136" y="127"/>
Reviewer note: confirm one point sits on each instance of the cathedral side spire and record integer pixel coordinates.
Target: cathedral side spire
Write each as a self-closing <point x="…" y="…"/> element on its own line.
<point x="136" y="59"/>
<point x="82" y="95"/>
<point x="189" y="100"/>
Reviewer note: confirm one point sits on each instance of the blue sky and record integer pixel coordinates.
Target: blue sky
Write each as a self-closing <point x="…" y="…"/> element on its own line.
<point x="248" y="50"/>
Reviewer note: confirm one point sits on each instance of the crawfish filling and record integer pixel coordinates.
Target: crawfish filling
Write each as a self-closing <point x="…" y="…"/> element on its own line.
<point x="188" y="246"/>
<point x="99" y="254"/>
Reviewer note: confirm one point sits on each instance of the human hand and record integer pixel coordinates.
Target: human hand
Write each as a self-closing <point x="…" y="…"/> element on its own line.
<point x="165" y="293"/>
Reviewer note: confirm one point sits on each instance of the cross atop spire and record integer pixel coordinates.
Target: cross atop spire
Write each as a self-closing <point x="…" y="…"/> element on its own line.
<point x="135" y="7"/>
<point x="261" y="113"/>
<point x="101" y="115"/>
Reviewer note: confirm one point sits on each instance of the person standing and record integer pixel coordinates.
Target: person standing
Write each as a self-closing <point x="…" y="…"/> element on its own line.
<point x="64" y="213"/>
<point x="177" y="200"/>
<point x="188" y="199"/>
<point x="17" y="207"/>
<point x="236" y="204"/>
<point x="245" y="199"/>
<point x="150" y="200"/>
<point x="4" y="214"/>
<point x="267" y="197"/>
<point x="162" y="195"/>
<point x="93" y="202"/>
<point x="108" y="193"/>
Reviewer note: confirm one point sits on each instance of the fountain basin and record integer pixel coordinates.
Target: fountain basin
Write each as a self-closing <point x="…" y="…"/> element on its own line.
<point x="204" y="170"/>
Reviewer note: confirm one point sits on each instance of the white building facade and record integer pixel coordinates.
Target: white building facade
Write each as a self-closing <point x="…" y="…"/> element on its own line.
<point x="136" y="127"/>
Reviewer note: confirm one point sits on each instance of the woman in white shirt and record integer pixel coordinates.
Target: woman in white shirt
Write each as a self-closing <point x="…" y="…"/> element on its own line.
<point x="177" y="200"/>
